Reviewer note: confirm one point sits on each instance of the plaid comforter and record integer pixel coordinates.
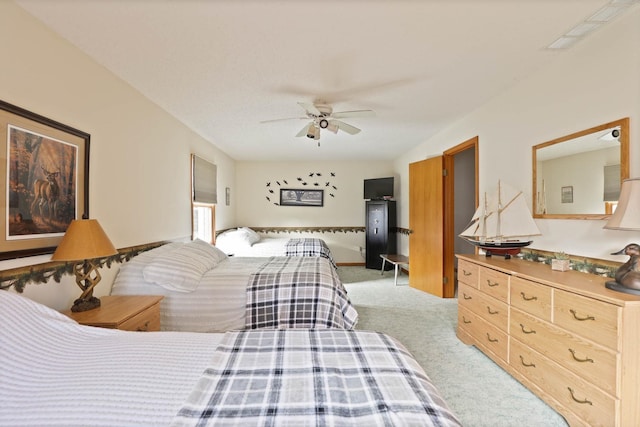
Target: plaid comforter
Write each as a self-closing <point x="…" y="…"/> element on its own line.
<point x="313" y="378"/>
<point x="298" y="292"/>
<point x="308" y="247"/>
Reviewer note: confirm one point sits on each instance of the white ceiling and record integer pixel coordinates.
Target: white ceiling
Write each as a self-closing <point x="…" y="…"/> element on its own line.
<point x="222" y="67"/>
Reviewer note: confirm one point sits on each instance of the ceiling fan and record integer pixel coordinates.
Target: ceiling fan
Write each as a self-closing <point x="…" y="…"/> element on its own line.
<point x="323" y="117"/>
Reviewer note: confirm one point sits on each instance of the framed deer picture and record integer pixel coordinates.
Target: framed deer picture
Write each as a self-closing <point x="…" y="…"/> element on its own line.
<point x="45" y="171"/>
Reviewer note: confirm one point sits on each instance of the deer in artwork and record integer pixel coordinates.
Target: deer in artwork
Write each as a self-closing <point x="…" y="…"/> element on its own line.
<point x="46" y="192"/>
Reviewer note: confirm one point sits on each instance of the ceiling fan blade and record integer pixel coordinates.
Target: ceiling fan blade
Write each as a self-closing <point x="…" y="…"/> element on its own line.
<point x="351" y="130"/>
<point x="282" y="120"/>
<point x="303" y="131"/>
<point x="353" y="113"/>
<point x="310" y="108"/>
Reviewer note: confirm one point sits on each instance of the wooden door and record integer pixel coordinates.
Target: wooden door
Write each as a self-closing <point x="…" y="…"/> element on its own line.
<point x="426" y="220"/>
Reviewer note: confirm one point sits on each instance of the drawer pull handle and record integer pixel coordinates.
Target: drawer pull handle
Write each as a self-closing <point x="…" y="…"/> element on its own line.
<point x="465" y="296"/>
<point x="573" y="353"/>
<point x="525" y="331"/>
<point x="582" y="319"/>
<point x="528" y="365"/>
<point x="464" y="320"/>
<point x="144" y="328"/>
<point x="491" y="312"/>
<point x="491" y="339"/>
<point x="524" y="297"/>
<point x="466" y="273"/>
<point x="492" y="284"/>
<point x="585" y="401"/>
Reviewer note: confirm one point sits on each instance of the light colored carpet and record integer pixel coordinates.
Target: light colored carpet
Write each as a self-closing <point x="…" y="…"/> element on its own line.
<point x="480" y="392"/>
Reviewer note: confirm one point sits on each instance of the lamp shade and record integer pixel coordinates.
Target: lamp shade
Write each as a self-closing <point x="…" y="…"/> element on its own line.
<point x="627" y="214"/>
<point x="84" y="239"/>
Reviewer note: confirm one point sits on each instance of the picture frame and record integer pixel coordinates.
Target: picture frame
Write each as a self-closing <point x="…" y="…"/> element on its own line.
<point x="301" y="197"/>
<point x="227" y="196"/>
<point x="45" y="175"/>
<point x="567" y="194"/>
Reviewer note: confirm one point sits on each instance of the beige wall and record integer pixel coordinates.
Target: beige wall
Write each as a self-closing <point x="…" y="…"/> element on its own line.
<point x="593" y="83"/>
<point x="139" y="169"/>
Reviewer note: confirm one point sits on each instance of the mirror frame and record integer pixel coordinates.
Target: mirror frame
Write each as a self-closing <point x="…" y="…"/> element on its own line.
<point x="624" y="165"/>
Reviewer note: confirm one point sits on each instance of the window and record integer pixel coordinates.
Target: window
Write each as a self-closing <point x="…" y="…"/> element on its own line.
<point x="203" y="222"/>
<point x="204" y="195"/>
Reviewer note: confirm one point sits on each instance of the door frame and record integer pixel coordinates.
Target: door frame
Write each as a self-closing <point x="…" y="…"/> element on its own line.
<point x="449" y="210"/>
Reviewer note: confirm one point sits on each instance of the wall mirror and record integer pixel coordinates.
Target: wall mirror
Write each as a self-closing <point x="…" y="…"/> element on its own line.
<point x="578" y="176"/>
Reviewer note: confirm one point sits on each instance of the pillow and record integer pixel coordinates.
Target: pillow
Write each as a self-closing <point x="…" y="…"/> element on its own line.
<point x="232" y="240"/>
<point x="252" y="236"/>
<point x="208" y="250"/>
<point x="181" y="269"/>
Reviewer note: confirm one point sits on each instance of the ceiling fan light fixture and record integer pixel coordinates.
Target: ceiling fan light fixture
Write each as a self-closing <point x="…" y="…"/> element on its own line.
<point x="313" y="132"/>
<point x="332" y="127"/>
<point x="324" y="123"/>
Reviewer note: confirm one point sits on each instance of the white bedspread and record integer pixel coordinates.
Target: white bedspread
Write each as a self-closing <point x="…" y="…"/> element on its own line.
<point x="265" y="247"/>
<point x="219" y="302"/>
<point x="56" y="372"/>
<point x="217" y="305"/>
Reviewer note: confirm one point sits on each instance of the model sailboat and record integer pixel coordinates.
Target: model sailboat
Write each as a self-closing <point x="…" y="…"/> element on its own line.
<point x="502" y="224"/>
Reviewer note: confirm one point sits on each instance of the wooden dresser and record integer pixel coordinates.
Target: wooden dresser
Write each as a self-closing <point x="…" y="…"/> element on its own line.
<point x="563" y="335"/>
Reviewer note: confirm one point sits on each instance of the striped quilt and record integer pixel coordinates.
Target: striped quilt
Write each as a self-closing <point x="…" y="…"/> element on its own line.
<point x="326" y="377"/>
<point x="308" y="247"/>
<point x="298" y="292"/>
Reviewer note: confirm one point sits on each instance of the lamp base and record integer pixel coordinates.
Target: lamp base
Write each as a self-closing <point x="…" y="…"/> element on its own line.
<point x="84" y="304"/>
<point x="615" y="286"/>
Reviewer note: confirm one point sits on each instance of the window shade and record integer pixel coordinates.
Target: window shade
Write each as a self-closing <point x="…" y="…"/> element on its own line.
<point x="204" y="181"/>
<point x="611" y="183"/>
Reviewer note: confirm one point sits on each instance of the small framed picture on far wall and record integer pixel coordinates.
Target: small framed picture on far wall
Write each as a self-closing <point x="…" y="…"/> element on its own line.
<point x="567" y="194"/>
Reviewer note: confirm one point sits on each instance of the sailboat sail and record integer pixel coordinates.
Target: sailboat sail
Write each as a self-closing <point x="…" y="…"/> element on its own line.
<point x="502" y="217"/>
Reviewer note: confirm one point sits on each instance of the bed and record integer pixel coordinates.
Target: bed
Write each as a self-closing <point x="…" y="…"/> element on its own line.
<point x="246" y="242"/>
<point x="57" y="372"/>
<point x="206" y="291"/>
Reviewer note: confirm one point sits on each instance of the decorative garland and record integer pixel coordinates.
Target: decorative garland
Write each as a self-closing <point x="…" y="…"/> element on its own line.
<point x="279" y="230"/>
<point x="583" y="264"/>
<point x="405" y="231"/>
<point x="19" y="277"/>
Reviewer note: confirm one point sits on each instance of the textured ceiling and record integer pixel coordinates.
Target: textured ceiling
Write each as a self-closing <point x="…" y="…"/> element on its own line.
<point x="222" y="67"/>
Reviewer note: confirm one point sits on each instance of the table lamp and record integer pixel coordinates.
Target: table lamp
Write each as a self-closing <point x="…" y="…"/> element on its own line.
<point x="627" y="217"/>
<point x="84" y="241"/>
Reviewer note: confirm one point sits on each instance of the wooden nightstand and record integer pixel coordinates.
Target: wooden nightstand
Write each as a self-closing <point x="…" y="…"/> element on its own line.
<point x="125" y="312"/>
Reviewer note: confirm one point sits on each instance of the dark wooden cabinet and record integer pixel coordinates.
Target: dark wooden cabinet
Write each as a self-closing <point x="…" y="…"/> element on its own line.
<point x="381" y="232"/>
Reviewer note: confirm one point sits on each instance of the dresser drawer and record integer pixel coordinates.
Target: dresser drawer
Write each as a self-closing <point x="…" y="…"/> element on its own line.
<point x="486" y="335"/>
<point x="589" y="403"/>
<point x="595" y="320"/>
<point x="146" y="321"/>
<point x="531" y="297"/>
<point x="594" y="363"/>
<point x="494" y="283"/>
<point x="468" y="273"/>
<point x="490" y="309"/>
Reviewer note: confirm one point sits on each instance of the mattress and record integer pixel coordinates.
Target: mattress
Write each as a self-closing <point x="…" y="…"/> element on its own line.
<point x="244" y="242"/>
<point x="55" y="372"/>
<point x="220" y="302"/>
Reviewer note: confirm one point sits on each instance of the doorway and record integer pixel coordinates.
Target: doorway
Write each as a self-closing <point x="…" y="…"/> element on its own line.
<point x="461" y="201"/>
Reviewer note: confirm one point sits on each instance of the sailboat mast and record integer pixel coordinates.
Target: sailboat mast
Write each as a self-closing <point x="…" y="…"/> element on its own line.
<point x="483" y="235"/>
<point x="499" y="213"/>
